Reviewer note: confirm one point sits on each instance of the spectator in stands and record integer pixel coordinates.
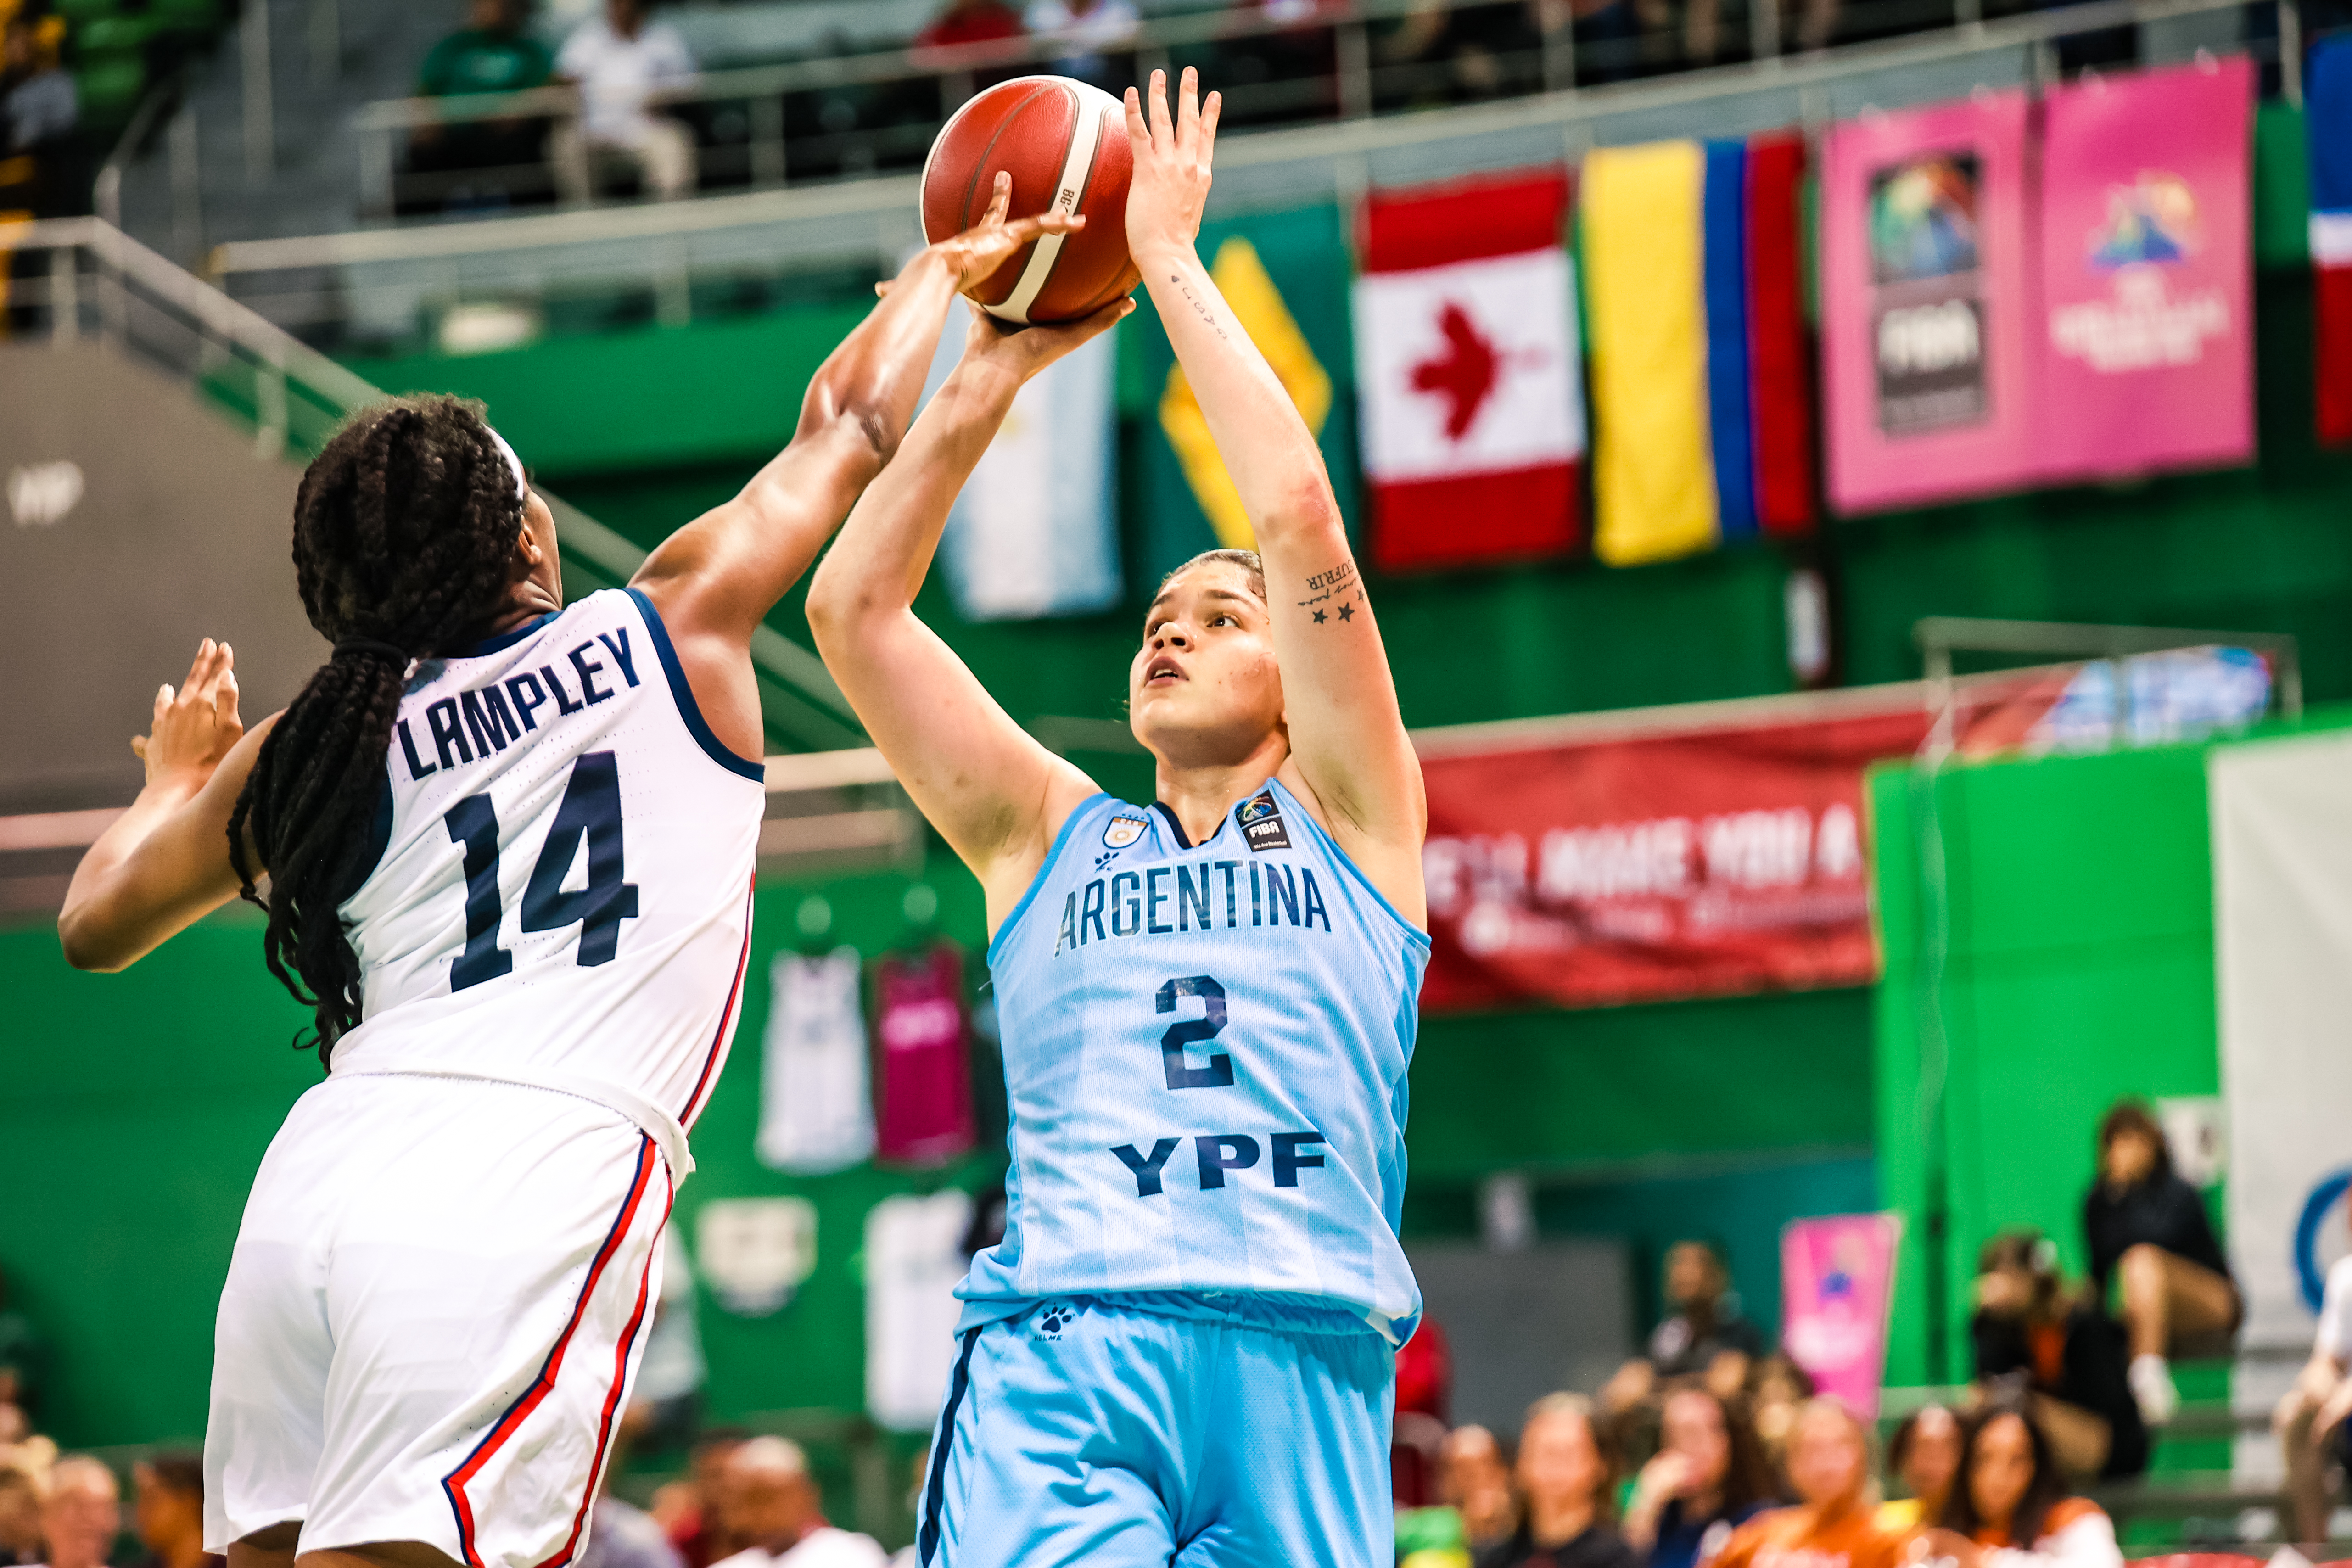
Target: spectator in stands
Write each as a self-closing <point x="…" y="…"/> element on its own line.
<point x="1422" y="1399"/>
<point x="1475" y="1482"/>
<point x="2031" y="1332"/>
<point x="24" y="1355"/>
<point x="621" y="1535"/>
<point x="1566" y="1485"/>
<point x="1830" y="1469"/>
<point x="1093" y="29"/>
<point x="492" y="53"/>
<point x="38" y="111"/>
<point x="1777" y="1391"/>
<point x="1926" y="1455"/>
<point x="687" y="1509"/>
<point x="768" y="1497"/>
<point x="1707" y="1478"/>
<point x="167" y="1511"/>
<point x="2147" y="1228"/>
<point x="970" y="22"/>
<point x="20" y="1517"/>
<point x="1703" y="1333"/>
<point x="618" y="61"/>
<point x="2310" y="1421"/>
<point x="82" y="1513"/>
<point x="37" y="101"/>
<point x="2010" y="1507"/>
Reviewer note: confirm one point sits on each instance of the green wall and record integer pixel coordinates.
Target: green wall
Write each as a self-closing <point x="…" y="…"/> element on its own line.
<point x="2047" y="928"/>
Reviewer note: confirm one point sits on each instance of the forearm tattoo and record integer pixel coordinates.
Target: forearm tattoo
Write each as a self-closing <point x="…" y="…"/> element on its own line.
<point x="1200" y="306"/>
<point x="1338" y="592"/>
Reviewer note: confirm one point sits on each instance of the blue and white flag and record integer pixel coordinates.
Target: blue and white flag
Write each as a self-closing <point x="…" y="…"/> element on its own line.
<point x="1035" y="532"/>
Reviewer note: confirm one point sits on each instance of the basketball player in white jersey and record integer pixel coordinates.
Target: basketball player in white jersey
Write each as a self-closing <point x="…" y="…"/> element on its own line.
<point x="1182" y="1352"/>
<point x="509" y="847"/>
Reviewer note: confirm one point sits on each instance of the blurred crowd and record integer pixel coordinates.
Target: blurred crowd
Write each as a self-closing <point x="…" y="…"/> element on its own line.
<point x="1710" y="1450"/>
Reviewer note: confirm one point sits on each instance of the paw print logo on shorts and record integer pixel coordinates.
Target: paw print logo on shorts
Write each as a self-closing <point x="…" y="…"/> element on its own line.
<point x="1054" y="1319"/>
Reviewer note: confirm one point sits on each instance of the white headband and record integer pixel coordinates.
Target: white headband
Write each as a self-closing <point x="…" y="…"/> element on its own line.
<point x="523" y="486"/>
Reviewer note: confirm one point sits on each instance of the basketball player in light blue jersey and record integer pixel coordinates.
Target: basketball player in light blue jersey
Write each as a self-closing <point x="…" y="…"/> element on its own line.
<point x="1182" y="1350"/>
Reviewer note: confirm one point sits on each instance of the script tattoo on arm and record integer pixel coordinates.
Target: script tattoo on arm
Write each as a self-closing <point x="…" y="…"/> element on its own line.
<point x="1200" y="306"/>
<point x="1336" y="592"/>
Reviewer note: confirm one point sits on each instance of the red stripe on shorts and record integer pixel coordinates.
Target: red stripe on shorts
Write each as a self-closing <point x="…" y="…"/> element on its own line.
<point x="456" y="1482"/>
<point x="726" y="1015"/>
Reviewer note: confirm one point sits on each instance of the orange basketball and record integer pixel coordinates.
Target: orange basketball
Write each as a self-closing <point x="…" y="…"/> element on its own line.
<point x="1064" y="144"/>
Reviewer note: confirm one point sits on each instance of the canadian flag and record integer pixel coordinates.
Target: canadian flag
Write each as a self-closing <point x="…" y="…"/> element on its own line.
<point x="1467" y="368"/>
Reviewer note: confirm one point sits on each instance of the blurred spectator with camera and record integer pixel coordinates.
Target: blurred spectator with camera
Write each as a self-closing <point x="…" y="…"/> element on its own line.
<point x="2037" y="1336"/>
<point x="619" y="61"/>
<point x="2151" y="1241"/>
<point x="2010" y="1506"/>
<point x="1925" y="1455"/>
<point x="1567" y="1482"/>
<point x="1830" y="1469"/>
<point x="1708" y="1477"/>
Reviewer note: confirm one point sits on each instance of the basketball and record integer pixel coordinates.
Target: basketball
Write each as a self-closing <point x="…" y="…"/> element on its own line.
<point x="1064" y="144"/>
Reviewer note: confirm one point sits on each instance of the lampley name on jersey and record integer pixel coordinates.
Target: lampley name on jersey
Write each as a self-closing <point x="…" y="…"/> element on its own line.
<point x="493" y="716"/>
<point x="1164" y="901"/>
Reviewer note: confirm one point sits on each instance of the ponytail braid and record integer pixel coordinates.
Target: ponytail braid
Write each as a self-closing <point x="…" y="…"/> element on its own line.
<point x="404" y="530"/>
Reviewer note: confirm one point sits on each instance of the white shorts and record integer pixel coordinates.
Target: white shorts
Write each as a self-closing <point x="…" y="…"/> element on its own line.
<point x="439" y="1293"/>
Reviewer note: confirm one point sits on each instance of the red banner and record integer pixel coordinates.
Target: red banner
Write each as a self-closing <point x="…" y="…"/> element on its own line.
<point x="1639" y="864"/>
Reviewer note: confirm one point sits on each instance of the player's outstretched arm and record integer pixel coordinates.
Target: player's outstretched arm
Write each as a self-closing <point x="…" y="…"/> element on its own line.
<point x="994" y="793"/>
<point x="163" y="864"/>
<point x="715" y="578"/>
<point x="1346" y="737"/>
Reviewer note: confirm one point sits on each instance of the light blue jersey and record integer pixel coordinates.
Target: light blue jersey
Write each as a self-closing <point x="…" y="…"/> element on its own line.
<point x="1205" y="1047"/>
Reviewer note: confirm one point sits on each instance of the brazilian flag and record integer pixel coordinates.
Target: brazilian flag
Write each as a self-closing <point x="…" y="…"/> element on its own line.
<point x="1286" y="276"/>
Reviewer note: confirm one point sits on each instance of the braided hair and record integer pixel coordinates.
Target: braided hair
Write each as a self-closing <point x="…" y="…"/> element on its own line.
<point x="404" y="530"/>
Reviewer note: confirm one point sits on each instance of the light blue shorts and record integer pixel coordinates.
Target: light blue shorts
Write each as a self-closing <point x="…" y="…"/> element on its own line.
<point x="1088" y="1432"/>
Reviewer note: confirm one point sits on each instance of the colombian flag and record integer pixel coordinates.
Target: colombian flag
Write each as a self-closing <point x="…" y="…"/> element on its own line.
<point x="2327" y="116"/>
<point x="1701" y="384"/>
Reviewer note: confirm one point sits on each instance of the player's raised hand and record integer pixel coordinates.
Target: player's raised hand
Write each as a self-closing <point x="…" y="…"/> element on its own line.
<point x="1172" y="153"/>
<point x="976" y="254"/>
<point x="1025" y="351"/>
<point x="196" y="726"/>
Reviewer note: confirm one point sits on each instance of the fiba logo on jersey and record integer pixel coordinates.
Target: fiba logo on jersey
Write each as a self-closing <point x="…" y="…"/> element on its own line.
<point x="1261" y="822"/>
<point x="1122" y="831"/>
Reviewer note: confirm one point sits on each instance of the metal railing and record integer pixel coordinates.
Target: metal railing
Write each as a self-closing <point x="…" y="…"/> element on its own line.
<point x="99" y="283"/>
<point x="1339" y="74"/>
<point x="319" y="283"/>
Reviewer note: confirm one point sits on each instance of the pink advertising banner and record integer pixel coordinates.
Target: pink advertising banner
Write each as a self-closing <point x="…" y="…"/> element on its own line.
<point x="1837" y="1277"/>
<point x="2147" y="349"/>
<point x="1926" y="357"/>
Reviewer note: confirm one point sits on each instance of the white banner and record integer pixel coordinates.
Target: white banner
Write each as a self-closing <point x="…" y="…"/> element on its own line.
<point x="2282" y="940"/>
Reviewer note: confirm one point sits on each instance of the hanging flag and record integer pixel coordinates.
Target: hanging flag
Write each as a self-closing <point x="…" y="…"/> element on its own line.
<point x="1644" y="266"/>
<point x="1469" y="373"/>
<point x="1035" y="530"/>
<point x="1723" y="218"/>
<point x="1780" y="367"/>
<point x="1924" y="359"/>
<point x="2328" y="118"/>
<point x="2146" y="355"/>
<point x="1284" y="274"/>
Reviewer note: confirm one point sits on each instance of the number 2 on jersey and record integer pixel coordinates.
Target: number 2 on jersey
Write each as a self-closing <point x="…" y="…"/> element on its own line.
<point x="591" y="808"/>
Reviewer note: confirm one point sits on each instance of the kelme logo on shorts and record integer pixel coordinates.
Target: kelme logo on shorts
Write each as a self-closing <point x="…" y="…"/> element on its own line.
<point x="1054" y="1319"/>
<point x="1261" y="822"/>
<point x="1123" y="831"/>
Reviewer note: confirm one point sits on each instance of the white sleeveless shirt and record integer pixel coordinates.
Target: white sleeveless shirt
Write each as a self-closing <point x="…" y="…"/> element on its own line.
<point x="560" y="893"/>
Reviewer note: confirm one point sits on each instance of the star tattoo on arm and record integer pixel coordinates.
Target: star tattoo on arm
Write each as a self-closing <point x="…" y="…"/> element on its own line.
<point x="1347" y="613"/>
<point x="1319" y="617"/>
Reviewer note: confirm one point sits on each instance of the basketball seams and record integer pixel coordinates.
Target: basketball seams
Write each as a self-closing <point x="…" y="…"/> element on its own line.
<point x="1080" y="151"/>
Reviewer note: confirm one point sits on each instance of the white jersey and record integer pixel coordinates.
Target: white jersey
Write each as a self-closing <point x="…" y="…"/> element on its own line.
<point x="561" y="890"/>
